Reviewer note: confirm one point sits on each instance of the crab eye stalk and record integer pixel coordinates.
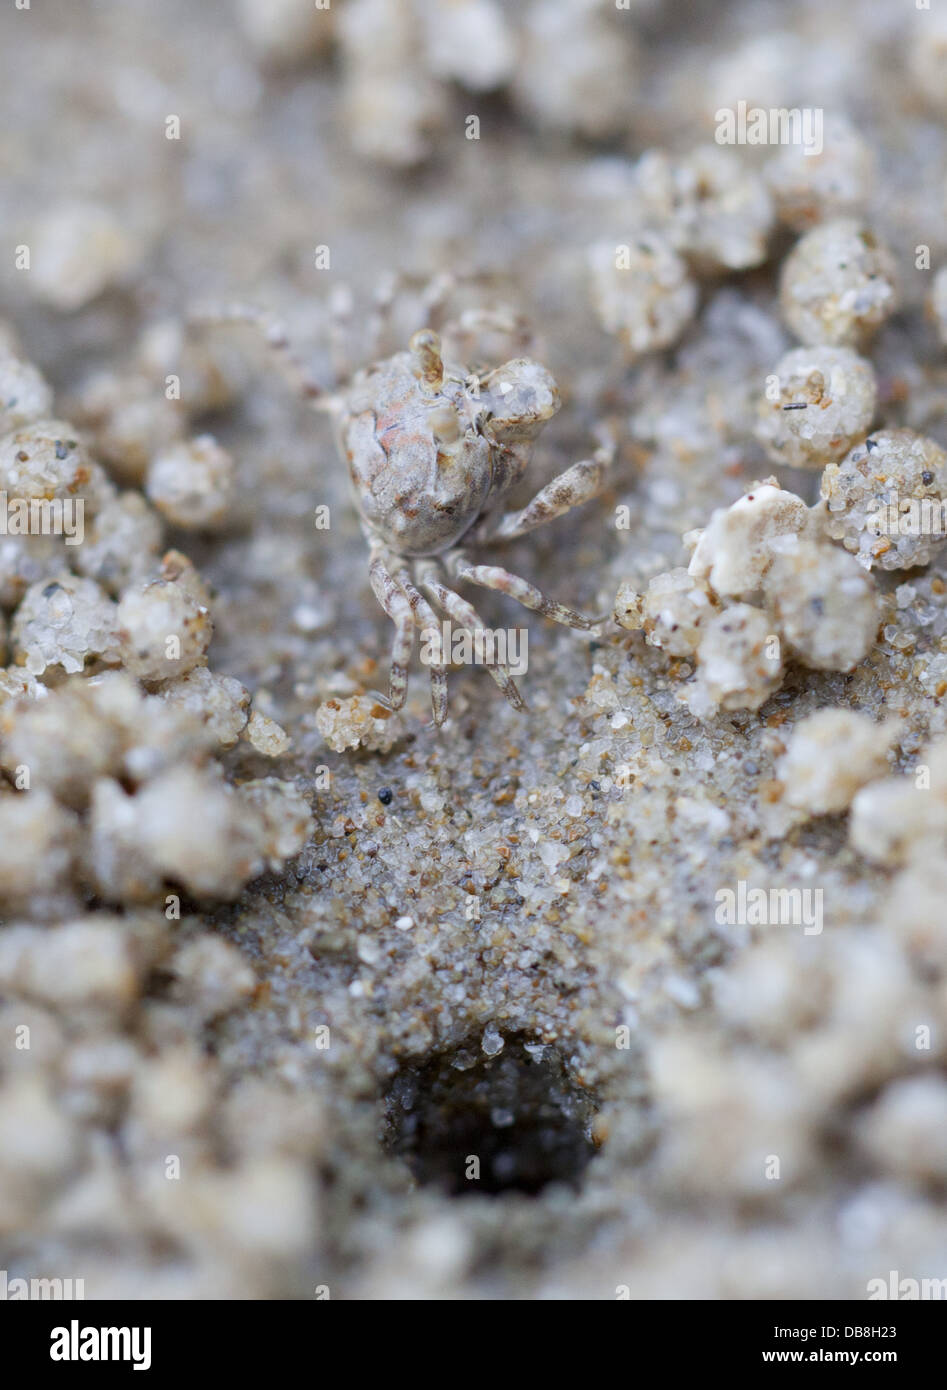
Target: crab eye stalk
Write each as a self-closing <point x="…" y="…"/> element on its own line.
<point x="426" y="350"/>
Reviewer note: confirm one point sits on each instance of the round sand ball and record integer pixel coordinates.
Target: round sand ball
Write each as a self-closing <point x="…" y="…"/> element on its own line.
<point x="66" y="740"/>
<point x="825" y="403"/>
<point x="734" y="551"/>
<point x="724" y="208"/>
<point x="213" y="369"/>
<point x="823" y="604"/>
<point x="24" y="560"/>
<point x="675" y="611"/>
<point x="127" y="421"/>
<point x="905" y="1130"/>
<point x="831" y="754"/>
<point x="121" y="544"/>
<point x="46" y="459"/>
<point x="192" y="483"/>
<point x="211" y="975"/>
<point x="391" y="103"/>
<point x="927" y="57"/>
<point x="358" y="722"/>
<point x="472" y="43"/>
<point x="67" y="622"/>
<point x="838" y="284"/>
<point x="79" y="250"/>
<point x="739" y="665"/>
<point x="284" y="814"/>
<point x="286" y="32"/>
<point x="891" y="819"/>
<point x="186" y="826"/>
<point x="24" y="393"/>
<point x="887" y="499"/>
<point x="37" y="843"/>
<point x="809" y="188"/>
<point x="654" y="195"/>
<point x="576" y="69"/>
<point x="220" y="703"/>
<point x="162" y="630"/>
<point x="642" y="292"/>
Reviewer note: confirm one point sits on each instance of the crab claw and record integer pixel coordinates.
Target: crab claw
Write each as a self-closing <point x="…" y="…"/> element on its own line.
<point x="519" y="398"/>
<point x="425" y="347"/>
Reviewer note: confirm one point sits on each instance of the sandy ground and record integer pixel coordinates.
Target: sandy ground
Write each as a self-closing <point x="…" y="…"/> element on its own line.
<point x="723" y="1111"/>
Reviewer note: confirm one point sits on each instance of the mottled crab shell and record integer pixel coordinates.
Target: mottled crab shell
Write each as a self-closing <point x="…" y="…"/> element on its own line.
<point x="420" y="468"/>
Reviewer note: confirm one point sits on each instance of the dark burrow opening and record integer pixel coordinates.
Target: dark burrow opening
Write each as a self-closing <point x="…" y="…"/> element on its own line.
<point x="467" y="1122"/>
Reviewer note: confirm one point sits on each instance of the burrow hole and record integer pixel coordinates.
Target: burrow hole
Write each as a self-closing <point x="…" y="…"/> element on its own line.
<point x="467" y="1122"/>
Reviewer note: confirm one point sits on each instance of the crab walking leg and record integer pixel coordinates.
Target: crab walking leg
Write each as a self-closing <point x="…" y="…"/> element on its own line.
<point x="276" y="339"/>
<point x="426" y="619"/>
<point x="467" y="617"/>
<point x="576" y="485"/>
<point x="439" y="290"/>
<point x="493" y="577"/>
<point x="433" y="298"/>
<point x="398" y="609"/>
<point x="436" y="296"/>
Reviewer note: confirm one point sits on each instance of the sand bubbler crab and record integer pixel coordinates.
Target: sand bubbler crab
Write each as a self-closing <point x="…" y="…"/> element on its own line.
<point x="433" y="449"/>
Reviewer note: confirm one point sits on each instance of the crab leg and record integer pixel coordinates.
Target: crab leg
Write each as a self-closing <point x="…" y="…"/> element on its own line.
<point x="467" y="617"/>
<point x="425" y="618"/>
<point x="383" y="303"/>
<point x="493" y="577"/>
<point x="277" y="340"/>
<point x="576" y="485"/>
<point x="398" y="609"/>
